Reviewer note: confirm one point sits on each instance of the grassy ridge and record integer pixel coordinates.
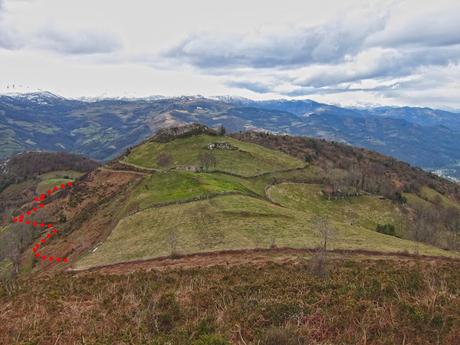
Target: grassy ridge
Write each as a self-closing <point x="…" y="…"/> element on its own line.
<point x="257" y="198"/>
<point x="238" y="221"/>
<point x="247" y="160"/>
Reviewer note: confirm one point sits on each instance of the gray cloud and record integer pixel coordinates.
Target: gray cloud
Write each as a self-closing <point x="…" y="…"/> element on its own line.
<point x="7" y="36"/>
<point x="329" y="58"/>
<point x="257" y="87"/>
<point x="54" y="39"/>
<point x="386" y="64"/>
<point x="437" y="29"/>
<point x="77" y="42"/>
<point x="319" y="44"/>
<point x="303" y="91"/>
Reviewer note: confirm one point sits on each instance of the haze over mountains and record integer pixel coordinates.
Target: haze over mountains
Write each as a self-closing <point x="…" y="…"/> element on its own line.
<point x="104" y="128"/>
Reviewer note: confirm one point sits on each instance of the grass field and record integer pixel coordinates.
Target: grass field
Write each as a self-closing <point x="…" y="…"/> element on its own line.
<point x="248" y="160"/>
<point x="71" y="174"/>
<point x="55" y="178"/>
<point x="362" y="211"/>
<point x="161" y="188"/>
<point x="239" y="222"/>
<point x="433" y="196"/>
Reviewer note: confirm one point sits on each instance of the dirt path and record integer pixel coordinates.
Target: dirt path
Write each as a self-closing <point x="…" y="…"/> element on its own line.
<point x="139" y="167"/>
<point x="256" y="257"/>
<point x="124" y="171"/>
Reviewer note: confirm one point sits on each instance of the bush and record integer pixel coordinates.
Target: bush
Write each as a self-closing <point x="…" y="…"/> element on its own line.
<point x="387" y="229"/>
<point x="169" y="313"/>
<point x="164" y="159"/>
<point x="279" y="313"/>
<point x="206" y="325"/>
<point x="399" y="198"/>
<point x="211" y="339"/>
<point x="308" y="159"/>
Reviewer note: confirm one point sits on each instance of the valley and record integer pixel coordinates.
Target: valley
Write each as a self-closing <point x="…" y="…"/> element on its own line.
<point x="104" y="128"/>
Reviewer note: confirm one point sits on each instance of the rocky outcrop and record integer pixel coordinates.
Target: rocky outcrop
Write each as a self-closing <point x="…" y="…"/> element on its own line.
<point x="221" y="146"/>
<point x="171" y="133"/>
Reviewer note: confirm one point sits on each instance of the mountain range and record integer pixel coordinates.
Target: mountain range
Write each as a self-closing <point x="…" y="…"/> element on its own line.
<point x="104" y="128"/>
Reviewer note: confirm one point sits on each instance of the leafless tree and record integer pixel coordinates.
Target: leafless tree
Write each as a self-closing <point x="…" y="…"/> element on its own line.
<point x="426" y="226"/>
<point x="172" y="242"/>
<point x="451" y="217"/>
<point x="207" y="160"/>
<point x="318" y="263"/>
<point x="324" y="230"/>
<point x="221" y="130"/>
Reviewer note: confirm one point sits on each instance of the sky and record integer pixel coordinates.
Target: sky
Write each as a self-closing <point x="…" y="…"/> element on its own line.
<point x="352" y="53"/>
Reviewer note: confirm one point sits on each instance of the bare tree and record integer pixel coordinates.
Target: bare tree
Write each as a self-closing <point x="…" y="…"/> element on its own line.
<point x="452" y="220"/>
<point x="172" y="242"/>
<point x="324" y="230"/>
<point x="318" y="263"/>
<point x="221" y="130"/>
<point x="426" y="226"/>
<point x="207" y="160"/>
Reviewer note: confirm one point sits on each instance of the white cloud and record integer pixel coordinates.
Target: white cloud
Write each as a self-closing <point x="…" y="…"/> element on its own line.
<point x="378" y="51"/>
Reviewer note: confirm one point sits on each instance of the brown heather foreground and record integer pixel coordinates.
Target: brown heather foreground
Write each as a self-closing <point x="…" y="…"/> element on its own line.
<point x="266" y="298"/>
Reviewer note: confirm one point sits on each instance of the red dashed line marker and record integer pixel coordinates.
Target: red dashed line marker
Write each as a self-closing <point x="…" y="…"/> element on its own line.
<point x="53" y="231"/>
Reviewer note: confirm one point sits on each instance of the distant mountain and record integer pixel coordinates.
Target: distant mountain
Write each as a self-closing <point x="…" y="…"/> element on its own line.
<point x="420" y="116"/>
<point x="103" y="128"/>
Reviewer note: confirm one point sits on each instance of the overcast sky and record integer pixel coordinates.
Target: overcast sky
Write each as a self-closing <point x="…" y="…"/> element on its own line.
<point x="350" y="52"/>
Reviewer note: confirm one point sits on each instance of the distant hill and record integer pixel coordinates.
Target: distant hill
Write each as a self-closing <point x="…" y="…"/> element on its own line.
<point x="102" y="129"/>
<point x="24" y="176"/>
<point x="27" y="165"/>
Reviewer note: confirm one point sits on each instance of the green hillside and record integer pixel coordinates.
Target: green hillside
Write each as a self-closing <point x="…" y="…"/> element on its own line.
<point x="258" y="198"/>
<point x="56" y="178"/>
<point x="245" y="159"/>
<point x="160" y="200"/>
<point x="242" y="222"/>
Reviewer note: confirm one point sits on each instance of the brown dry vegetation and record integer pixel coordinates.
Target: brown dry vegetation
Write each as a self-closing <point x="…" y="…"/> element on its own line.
<point x="85" y="215"/>
<point x="30" y="164"/>
<point x="252" y="298"/>
<point x="376" y="168"/>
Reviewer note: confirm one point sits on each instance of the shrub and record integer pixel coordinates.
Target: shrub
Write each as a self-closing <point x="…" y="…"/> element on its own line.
<point x="206" y="325"/>
<point x="164" y="159"/>
<point x="387" y="229"/>
<point x="399" y="198"/>
<point x="280" y="312"/>
<point x="169" y="312"/>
